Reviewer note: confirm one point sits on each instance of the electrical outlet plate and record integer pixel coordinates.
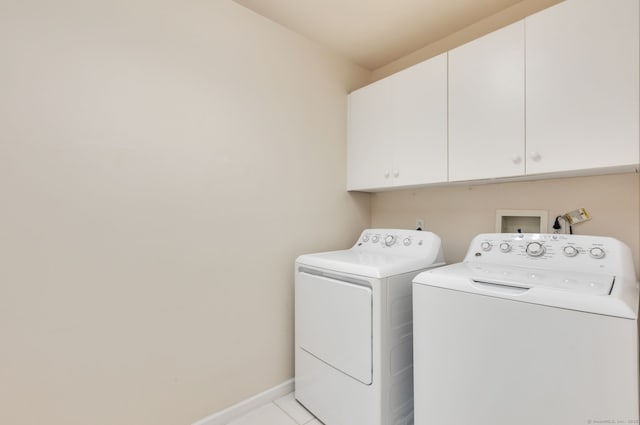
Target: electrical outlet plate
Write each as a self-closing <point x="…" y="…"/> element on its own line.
<point x="419" y="223"/>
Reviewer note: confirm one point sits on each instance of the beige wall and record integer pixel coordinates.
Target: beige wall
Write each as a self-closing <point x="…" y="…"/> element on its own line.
<point x="162" y="163"/>
<point x="458" y="213"/>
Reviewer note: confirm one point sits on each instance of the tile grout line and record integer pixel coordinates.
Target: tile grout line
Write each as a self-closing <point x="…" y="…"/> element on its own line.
<point x="313" y="418"/>
<point x="286" y="413"/>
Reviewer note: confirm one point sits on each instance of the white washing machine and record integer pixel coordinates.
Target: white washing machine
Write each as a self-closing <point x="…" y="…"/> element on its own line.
<point x="353" y="327"/>
<point x="529" y="329"/>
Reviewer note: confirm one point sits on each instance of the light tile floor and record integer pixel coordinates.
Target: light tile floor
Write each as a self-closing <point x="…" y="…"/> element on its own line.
<point x="283" y="411"/>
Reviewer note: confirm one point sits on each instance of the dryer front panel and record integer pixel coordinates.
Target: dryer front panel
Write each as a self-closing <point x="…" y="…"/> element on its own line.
<point x="334" y="322"/>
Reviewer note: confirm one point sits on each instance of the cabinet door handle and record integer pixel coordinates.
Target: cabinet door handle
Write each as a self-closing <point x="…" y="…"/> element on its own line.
<point x="516" y="159"/>
<point x="396" y="173"/>
<point x="535" y="156"/>
<point x="386" y="174"/>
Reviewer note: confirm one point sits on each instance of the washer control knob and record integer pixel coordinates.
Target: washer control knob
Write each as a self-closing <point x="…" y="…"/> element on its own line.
<point x="569" y="251"/>
<point x="535" y="249"/>
<point x="389" y="240"/>
<point x="375" y="238"/>
<point x="505" y="247"/>
<point x="407" y="241"/>
<point x="486" y="246"/>
<point x="365" y="238"/>
<point x="596" y="253"/>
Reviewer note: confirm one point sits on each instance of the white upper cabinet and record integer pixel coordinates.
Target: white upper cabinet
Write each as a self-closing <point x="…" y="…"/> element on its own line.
<point x="582" y="86"/>
<point x="398" y="129"/>
<point x="420" y="116"/>
<point x="370" y="137"/>
<point x="556" y="94"/>
<point x="486" y="106"/>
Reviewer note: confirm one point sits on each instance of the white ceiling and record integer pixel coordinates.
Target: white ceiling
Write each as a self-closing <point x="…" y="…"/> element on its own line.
<point x="373" y="33"/>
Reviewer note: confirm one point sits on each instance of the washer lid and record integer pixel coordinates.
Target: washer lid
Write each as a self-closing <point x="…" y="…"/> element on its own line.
<point x="588" y="292"/>
<point x="363" y="263"/>
<point x="519" y="277"/>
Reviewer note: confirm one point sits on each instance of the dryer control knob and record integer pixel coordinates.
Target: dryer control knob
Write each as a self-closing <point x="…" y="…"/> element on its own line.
<point x="389" y="240"/>
<point x="535" y="249"/>
<point x="569" y="251"/>
<point x="407" y="241"/>
<point x="596" y="253"/>
<point x="365" y="238"/>
<point x="505" y="247"/>
<point x="486" y="246"/>
<point x="375" y="239"/>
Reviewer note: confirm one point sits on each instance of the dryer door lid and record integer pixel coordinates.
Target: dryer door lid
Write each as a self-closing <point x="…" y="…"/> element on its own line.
<point x="334" y="323"/>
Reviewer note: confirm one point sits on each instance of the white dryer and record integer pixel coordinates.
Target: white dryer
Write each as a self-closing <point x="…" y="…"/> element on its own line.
<point x="529" y="329"/>
<point x="353" y="327"/>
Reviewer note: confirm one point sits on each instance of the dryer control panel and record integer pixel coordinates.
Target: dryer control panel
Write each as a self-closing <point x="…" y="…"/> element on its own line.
<point x="551" y="251"/>
<point x="399" y="240"/>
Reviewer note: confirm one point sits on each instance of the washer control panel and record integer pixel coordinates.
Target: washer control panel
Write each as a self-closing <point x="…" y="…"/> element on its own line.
<point x="557" y="251"/>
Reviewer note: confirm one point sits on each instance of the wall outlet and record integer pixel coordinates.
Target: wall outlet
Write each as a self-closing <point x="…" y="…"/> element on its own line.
<point x="419" y="224"/>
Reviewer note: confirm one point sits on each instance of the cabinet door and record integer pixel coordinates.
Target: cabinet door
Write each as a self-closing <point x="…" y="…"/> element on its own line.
<point x="420" y="123"/>
<point x="370" y="135"/>
<point x="486" y="106"/>
<point x="582" y="86"/>
<point x="398" y="129"/>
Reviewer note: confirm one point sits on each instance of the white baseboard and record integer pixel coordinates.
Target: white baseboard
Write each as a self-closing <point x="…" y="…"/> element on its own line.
<point x="227" y="415"/>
